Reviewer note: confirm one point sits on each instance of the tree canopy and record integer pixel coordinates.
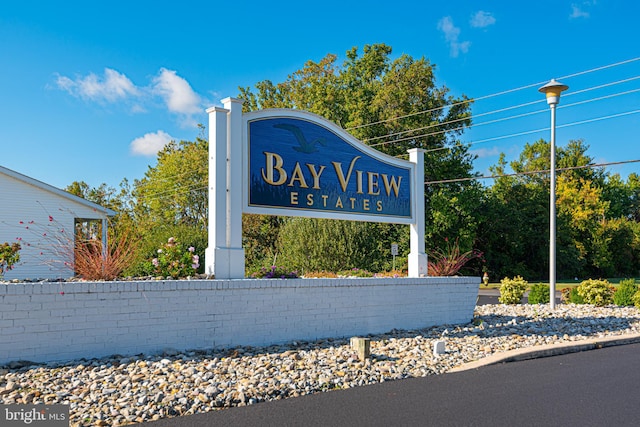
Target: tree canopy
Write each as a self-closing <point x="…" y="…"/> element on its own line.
<point x="395" y="104"/>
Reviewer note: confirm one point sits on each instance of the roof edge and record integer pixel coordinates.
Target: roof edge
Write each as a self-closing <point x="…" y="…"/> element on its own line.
<point x="50" y="188"/>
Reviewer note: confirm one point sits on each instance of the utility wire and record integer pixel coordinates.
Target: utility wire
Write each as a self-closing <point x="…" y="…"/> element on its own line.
<point x="536" y="172"/>
<point x="454" y="180"/>
<point x="501" y="119"/>
<point x="496" y="94"/>
<point x="512" y="135"/>
<point x="196" y="187"/>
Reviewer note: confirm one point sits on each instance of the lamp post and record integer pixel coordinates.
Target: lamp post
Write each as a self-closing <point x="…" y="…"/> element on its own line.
<point x="552" y="90"/>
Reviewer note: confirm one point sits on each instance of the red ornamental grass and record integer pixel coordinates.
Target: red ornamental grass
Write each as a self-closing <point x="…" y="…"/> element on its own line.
<point x="92" y="262"/>
<point x="449" y="261"/>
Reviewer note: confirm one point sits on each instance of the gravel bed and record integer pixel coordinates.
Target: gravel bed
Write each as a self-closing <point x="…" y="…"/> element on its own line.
<point x="120" y="390"/>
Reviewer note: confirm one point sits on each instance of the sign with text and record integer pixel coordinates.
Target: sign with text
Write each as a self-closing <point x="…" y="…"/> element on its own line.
<point x="302" y="165"/>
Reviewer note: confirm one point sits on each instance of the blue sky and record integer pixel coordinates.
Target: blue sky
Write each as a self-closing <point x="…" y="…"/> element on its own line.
<point x="90" y="93"/>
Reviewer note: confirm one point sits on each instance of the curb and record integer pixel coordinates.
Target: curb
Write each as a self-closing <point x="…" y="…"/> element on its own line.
<point x="549" y="350"/>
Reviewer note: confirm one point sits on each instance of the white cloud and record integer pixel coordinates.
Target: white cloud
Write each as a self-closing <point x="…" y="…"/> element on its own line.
<point x="482" y="19"/>
<point x="578" y="10"/>
<point x="451" y="34"/>
<point x="150" y="143"/>
<point x="485" y="152"/>
<point x="177" y="94"/>
<point x="111" y="87"/>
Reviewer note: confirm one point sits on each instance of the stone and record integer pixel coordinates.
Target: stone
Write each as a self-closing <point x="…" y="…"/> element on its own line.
<point x="153" y="387"/>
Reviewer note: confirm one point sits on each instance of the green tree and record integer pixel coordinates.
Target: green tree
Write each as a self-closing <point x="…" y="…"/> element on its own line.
<point x="392" y="105"/>
<point x="175" y="191"/>
<point x="593" y="238"/>
<point x="623" y="197"/>
<point x="581" y="212"/>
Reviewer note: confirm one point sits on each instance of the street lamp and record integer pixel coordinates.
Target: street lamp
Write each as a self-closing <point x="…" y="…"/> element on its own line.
<point x="552" y="90"/>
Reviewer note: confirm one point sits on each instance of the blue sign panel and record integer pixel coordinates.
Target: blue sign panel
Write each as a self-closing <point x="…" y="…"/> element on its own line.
<point x="300" y="165"/>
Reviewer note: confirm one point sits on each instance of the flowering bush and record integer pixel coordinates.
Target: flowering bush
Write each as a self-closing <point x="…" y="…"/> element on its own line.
<point x="9" y="255"/>
<point x="274" y="273"/>
<point x="175" y="261"/>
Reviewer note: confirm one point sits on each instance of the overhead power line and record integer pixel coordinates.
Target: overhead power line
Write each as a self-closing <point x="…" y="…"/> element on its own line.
<point x="500" y="119"/>
<point x="536" y="172"/>
<point x="197" y="187"/>
<point x="512" y="135"/>
<point x="504" y="92"/>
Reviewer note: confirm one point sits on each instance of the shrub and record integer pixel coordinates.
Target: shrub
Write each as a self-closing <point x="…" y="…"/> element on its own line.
<point x="570" y="296"/>
<point x="636" y="299"/>
<point x="156" y="238"/>
<point x="176" y="261"/>
<point x="512" y="290"/>
<point x="315" y="244"/>
<point x="623" y="296"/>
<point x="9" y="255"/>
<point x="80" y="251"/>
<point x="539" y="294"/>
<point x="596" y="292"/>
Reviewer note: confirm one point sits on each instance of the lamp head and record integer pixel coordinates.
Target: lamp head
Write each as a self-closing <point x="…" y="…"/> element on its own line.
<point x="552" y="90"/>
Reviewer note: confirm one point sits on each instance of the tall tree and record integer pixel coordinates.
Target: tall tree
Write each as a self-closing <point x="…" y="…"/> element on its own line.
<point x="590" y="239"/>
<point x="392" y="105"/>
<point x="175" y="191"/>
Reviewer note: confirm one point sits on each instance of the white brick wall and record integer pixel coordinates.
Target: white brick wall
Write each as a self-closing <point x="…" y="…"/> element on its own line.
<point x="61" y="321"/>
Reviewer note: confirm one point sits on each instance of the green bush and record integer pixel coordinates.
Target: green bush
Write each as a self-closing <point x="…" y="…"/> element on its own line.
<point x="636" y="299"/>
<point x="9" y="255"/>
<point x="574" y="296"/>
<point x="512" y="290"/>
<point x="147" y="249"/>
<point x="313" y="244"/>
<point x="176" y="260"/>
<point x="539" y="294"/>
<point x="625" y="292"/>
<point x="596" y="292"/>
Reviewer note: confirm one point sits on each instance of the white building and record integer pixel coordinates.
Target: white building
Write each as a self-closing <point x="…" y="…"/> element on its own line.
<point x="43" y="219"/>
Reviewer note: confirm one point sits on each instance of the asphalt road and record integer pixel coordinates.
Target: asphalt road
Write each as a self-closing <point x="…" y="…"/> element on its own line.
<point x="491" y="295"/>
<point x="591" y="388"/>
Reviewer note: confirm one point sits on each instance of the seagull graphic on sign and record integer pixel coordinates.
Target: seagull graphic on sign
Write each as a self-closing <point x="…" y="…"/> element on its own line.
<point x="305" y="146"/>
